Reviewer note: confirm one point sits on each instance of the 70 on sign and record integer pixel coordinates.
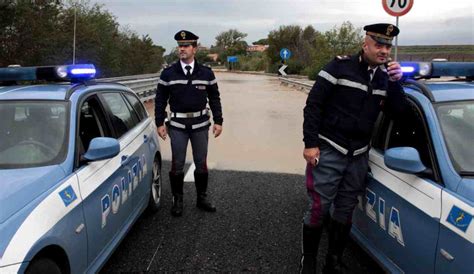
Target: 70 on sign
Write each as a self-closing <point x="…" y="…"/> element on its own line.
<point x="401" y="3"/>
<point x="397" y="7"/>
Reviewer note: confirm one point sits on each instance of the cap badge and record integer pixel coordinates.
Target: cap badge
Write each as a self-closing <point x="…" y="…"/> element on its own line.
<point x="183" y="34"/>
<point x="389" y="30"/>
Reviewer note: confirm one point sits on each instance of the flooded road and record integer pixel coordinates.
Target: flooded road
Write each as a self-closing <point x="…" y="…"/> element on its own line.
<point x="262" y="126"/>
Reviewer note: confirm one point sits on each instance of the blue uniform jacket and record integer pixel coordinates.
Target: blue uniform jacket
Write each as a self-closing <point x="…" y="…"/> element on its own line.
<point x="187" y="94"/>
<point x="343" y="104"/>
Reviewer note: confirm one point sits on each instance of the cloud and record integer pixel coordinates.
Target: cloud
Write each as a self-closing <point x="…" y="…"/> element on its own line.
<point x="429" y="22"/>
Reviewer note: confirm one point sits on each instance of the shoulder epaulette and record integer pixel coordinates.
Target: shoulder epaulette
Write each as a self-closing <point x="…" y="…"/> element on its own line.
<point x="343" y="57"/>
<point x="167" y="66"/>
<point x="206" y="66"/>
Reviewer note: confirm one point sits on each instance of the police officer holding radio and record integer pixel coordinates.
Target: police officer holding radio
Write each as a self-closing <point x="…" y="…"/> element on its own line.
<point x="339" y="116"/>
<point x="188" y="86"/>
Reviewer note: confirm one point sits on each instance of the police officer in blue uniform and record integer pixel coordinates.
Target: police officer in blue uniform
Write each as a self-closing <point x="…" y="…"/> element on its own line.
<point x="339" y="116"/>
<point x="188" y="87"/>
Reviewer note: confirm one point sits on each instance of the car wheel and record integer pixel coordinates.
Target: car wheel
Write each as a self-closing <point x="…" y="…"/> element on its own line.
<point x="43" y="265"/>
<point x="155" y="191"/>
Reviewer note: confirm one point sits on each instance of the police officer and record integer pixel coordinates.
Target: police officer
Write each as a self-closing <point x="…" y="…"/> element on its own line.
<point x="339" y="116"/>
<point x="188" y="87"/>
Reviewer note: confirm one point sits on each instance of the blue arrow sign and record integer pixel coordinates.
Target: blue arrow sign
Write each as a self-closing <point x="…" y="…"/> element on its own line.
<point x="285" y="53"/>
<point x="232" y="59"/>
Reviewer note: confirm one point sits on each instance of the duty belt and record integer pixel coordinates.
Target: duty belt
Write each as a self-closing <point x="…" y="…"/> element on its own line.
<point x="195" y="126"/>
<point x="342" y="149"/>
<point x="189" y="114"/>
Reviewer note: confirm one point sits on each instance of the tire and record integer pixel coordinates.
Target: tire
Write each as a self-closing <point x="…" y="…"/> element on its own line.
<point x="43" y="265"/>
<point x="156" y="187"/>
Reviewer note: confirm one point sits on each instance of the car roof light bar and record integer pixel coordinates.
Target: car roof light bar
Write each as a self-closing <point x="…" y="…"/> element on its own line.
<point x="437" y="69"/>
<point x="453" y="69"/>
<point x="73" y="73"/>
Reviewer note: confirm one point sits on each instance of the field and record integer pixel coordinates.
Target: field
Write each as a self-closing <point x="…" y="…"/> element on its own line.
<point x="462" y="53"/>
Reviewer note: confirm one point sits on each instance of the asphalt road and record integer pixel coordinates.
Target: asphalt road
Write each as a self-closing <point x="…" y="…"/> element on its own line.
<point x="256" y="228"/>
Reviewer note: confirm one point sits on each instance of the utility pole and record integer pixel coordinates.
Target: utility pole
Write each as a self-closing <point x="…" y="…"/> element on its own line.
<point x="74" y="38"/>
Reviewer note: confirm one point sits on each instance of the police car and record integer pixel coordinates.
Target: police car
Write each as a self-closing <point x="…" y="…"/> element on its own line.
<point x="416" y="216"/>
<point x="79" y="163"/>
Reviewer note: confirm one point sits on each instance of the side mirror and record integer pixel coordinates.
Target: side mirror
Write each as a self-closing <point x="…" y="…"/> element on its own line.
<point x="102" y="148"/>
<point x="404" y="159"/>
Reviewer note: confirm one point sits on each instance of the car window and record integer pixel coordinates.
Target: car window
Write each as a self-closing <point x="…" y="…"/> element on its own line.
<point x="92" y="123"/>
<point x="457" y="124"/>
<point x="137" y="106"/>
<point x="407" y="131"/>
<point x="32" y="133"/>
<point x="123" y="119"/>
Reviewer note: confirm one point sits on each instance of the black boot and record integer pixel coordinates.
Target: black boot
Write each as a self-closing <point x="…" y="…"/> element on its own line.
<point x="176" y="181"/>
<point x="338" y="236"/>
<point x="203" y="203"/>
<point x="311" y="237"/>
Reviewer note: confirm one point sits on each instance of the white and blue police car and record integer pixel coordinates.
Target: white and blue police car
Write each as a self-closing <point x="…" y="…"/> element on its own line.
<point x="79" y="163"/>
<point x="417" y="213"/>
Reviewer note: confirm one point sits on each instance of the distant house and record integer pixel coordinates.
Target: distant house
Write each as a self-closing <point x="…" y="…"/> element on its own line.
<point x="213" y="56"/>
<point x="257" y="48"/>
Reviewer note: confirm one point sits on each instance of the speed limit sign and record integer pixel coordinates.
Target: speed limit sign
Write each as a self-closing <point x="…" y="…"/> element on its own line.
<point x="397" y="7"/>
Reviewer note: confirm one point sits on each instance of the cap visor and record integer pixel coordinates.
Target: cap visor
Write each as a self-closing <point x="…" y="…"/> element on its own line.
<point x="381" y="40"/>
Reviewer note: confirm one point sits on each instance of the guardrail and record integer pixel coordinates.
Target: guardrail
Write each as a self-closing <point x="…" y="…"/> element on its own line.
<point x="143" y="85"/>
<point x="306" y="87"/>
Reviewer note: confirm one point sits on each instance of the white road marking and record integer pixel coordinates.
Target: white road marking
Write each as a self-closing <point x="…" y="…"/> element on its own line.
<point x="189" y="177"/>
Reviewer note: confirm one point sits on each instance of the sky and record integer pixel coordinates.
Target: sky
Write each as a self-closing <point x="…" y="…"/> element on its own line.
<point x="429" y="22"/>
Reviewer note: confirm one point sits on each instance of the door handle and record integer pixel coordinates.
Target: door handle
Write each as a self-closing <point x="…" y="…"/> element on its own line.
<point x="145" y="138"/>
<point x="125" y="160"/>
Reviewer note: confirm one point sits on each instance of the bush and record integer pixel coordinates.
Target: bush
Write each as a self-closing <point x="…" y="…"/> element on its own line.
<point x="253" y="62"/>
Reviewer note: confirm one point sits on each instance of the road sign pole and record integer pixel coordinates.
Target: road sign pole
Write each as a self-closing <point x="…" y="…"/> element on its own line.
<point x="396" y="43"/>
<point x="397" y="9"/>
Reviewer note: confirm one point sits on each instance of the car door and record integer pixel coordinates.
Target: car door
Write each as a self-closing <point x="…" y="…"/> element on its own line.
<point x="105" y="185"/>
<point x="145" y="131"/>
<point x="456" y="237"/>
<point x="399" y="215"/>
<point x="133" y="138"/>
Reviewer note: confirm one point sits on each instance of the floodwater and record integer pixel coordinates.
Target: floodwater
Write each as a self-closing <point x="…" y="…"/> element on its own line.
<point x="262" y="128"/>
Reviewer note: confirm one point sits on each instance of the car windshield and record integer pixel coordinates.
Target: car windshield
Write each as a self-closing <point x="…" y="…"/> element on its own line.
<point x="457" y="124"/>
<point x="32" y="133"/>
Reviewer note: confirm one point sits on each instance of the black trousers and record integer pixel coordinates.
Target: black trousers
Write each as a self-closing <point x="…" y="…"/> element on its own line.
<point x="179" y="143"/>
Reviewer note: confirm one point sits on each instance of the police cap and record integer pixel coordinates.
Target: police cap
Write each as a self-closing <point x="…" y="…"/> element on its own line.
<point x="184" y="38"/>
<point x="382" y="33"/>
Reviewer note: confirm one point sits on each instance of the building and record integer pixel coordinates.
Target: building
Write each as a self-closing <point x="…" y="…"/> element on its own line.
<point x="257" y="48"/>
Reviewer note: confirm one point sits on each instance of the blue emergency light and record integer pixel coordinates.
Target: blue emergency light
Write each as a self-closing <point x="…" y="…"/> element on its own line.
<point x="437" y="69"/>
<point x="72" y="73"/>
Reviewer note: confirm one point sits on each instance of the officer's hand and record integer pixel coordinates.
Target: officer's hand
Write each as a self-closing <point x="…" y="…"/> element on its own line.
<point x="162" y="132"/>
<point x="394" y="71"/>
<point x="216" y="130"/>
<point x="311" y="155"/>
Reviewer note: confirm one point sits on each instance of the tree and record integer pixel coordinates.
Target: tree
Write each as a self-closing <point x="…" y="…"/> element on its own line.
<point x="202" y="56"/>
<point x="311" y="49"/>
<point x="230" y="38"/>
<point x="230" y="43"/>
<point x="25" y="31"/>
<point x="263" y="41"/>
<point x="172" y="57"/>
<point x="34" y="33"/>
<point x="289" y="37"/>
<point x="344" y="40"/>
<point x="338" y="41"/>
